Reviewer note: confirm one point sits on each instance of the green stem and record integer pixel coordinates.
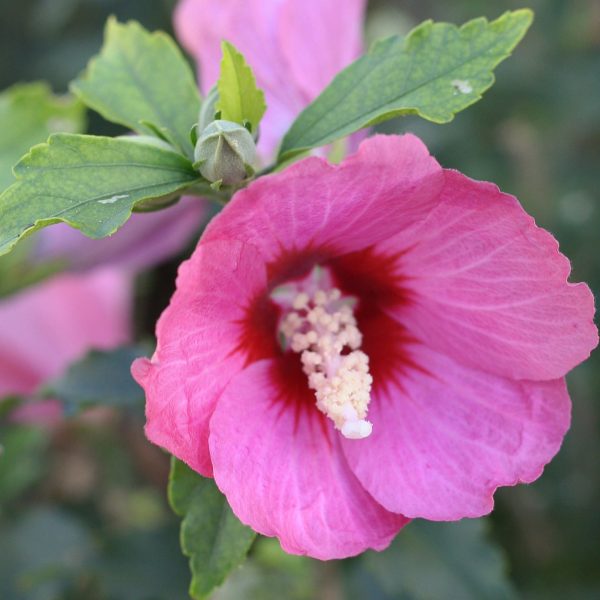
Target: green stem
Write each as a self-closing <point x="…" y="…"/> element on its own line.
<point x="268" y="169"/>
<point x="205" y="191"/>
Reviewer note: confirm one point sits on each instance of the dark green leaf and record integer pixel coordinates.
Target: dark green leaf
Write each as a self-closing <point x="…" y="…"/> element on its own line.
<point x="29" y="113"/>
<point x="91" y="183"/>
<point x="102" y="378"/>
<point x="40" y="552"/>
<point x="143" y="565"/>
<point x="8" y="404"/>
<point x="22" y="451"/>
<point x="240" y="99"/>
<point x="142" y="81"/>
<point x="428" y="560"/>
<point x="435" y="72"/>
<point x="211" y="535"/>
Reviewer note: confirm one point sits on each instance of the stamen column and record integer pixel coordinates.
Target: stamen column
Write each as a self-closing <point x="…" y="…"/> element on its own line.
<point x="323" y="330"/>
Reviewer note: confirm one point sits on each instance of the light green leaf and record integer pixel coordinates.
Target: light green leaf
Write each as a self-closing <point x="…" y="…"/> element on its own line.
<point x="142" y="81"/>
<point x="101" y="378"/>
<point x="29" y="113"/>
<point x="240" y="99"/>
<point x="435" y="560"/>
<point x="91" y="183"/>
<point x="435" y="72"/>
<point x="211" y="535"/>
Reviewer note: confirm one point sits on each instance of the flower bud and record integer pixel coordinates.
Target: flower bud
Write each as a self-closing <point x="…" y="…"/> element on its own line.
<point x="224" y="152"/>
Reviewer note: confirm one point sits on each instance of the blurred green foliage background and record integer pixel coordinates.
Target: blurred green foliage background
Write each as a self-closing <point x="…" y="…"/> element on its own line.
<point x="83" y="514"/>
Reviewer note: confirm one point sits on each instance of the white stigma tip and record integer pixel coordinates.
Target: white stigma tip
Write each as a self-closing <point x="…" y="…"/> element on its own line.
<point x="357" y="430"/>
<point x="323" y="330"/>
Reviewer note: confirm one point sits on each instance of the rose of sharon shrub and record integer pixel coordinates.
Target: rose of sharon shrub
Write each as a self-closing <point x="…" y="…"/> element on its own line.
<point x="272" y="34"/>
<point x="352" y="346"/>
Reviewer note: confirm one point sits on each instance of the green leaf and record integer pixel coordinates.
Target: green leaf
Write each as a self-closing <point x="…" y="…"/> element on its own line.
<point x="141" y="80"/>
<point x="240" y="99"/>
<point x="272" y="574"/>
<point x="18" y="270"/>
<point x="42" y="550"/>
<point x="435" y="72"/>
<point x="142" y="564"/>
<point x="29" y="113"/>
<point x="211" y="535"/>
<point x="435" y="560"/>
<point x="22" y="460"/>
<point x="102" y="377"/>
<point x="91" y="183"/>
<point x="8" y="404"/>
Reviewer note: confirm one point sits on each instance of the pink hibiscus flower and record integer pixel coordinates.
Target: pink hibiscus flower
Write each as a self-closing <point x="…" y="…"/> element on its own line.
<point x="352" y="346"/>
<point x="272" y="35"/>
<point x="45" y="328"/>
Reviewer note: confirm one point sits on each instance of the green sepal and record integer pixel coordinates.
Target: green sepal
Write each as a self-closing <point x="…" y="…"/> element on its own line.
<point x="194" y="134"/>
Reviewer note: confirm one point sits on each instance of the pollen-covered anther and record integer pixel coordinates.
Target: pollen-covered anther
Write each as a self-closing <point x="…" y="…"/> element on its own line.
<point x="323" y="330"/>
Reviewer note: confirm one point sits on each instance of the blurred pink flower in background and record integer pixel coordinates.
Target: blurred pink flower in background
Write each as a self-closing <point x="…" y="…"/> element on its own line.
<point x="295" y="48"/>
<point x="418" y="368"/>
<point x="51" y="324"/>
<point x="43" y="329"/>
<point x="144" y="241"/>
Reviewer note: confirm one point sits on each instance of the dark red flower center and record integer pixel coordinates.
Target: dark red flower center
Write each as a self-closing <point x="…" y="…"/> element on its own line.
<point x="373" y="279"/>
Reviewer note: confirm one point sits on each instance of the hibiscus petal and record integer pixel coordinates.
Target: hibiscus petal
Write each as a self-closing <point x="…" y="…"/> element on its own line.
<point x="200" y="347"/>
<point x="145" y="240"/>
<point x="445" y="437"/>
<point x="390" y="184"/>
<point x="284" y="473"/>
<point x="489" y="288"/>
<point x="46" y="327"/>
<point x="335" y="39"/>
